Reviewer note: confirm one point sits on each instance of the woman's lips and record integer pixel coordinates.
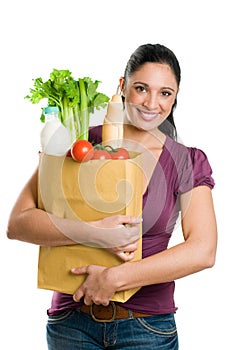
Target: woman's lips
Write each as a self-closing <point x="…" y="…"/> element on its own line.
<point x="149" y="116"/>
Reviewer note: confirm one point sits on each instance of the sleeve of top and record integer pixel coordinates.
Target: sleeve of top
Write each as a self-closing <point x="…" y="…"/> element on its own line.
<point x="196" y="171"/>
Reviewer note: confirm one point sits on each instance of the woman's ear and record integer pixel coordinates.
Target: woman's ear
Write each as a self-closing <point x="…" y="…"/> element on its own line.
<point x="122" y="85"/>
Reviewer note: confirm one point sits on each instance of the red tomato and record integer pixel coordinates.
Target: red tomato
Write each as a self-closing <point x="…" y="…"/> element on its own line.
<point x="120" y="153"/>
<point x="101" y="154"/>
<point x="82" y="151"/>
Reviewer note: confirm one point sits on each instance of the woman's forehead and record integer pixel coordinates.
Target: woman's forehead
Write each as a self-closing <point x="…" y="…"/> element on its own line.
<point x="152" y="73"/>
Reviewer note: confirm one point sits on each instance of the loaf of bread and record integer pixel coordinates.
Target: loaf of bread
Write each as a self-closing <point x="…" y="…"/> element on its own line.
<point x="112" y="132"/>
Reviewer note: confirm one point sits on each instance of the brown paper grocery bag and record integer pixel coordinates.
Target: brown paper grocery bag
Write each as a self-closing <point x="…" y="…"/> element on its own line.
<point x="85" y="191"/>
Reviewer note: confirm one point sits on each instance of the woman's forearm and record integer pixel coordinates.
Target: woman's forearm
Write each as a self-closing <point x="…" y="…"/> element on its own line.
<point x="179" y="261"/>
<point x="174" y="263"/>
<point x="29" y="224"/>
<point x="39" y="227"/>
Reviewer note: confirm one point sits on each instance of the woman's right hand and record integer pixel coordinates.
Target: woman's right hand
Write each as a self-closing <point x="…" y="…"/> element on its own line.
<point x="117" y="232"/>
<point x="122" y="242"/>
<point x="126" y="252"/>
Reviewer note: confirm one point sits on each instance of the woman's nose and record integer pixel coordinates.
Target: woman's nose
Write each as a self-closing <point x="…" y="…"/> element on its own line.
<point x="151" y="101"/>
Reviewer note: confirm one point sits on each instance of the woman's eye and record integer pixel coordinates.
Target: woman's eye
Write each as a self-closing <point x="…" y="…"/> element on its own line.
<point x="140" y="89"/>
<point x="166" y="93"/>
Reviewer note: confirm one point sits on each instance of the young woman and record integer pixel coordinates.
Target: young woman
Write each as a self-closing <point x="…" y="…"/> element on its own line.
<point x="178" y="183"/>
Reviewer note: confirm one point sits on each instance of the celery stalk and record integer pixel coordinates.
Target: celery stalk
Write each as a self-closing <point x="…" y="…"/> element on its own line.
<point x="76" y="99"/>
<point x="84" y="113"/>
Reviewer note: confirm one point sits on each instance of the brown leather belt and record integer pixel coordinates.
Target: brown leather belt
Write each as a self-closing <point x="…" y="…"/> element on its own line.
<point x="109" y="313"/>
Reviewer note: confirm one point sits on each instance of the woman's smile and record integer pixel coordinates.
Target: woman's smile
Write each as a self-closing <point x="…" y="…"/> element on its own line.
<point x="148" y="116"/>
<point x="142" y="117"/>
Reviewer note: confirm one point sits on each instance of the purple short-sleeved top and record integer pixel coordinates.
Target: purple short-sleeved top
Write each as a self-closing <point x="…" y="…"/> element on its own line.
<point x="178" y="170"/>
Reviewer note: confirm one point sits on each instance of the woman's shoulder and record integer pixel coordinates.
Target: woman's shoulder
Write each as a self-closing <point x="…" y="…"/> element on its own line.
<point x="194" y="153"/>
<point x="193" y="163"/>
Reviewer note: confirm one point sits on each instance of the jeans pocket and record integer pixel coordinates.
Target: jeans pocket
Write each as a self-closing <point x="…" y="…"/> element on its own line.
<point x="63" y="316"/>
<point x="163" y="325"/>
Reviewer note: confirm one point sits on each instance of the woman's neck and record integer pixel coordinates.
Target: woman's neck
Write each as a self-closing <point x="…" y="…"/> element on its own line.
<point x="153" y="139"/>
<point x="149" y="144"/>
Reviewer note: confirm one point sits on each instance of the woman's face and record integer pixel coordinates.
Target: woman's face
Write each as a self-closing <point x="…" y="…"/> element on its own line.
<point x="149" y="95"/>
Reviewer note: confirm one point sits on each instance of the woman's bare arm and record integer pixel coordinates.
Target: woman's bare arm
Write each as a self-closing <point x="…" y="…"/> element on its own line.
<point x="29" y="224"/>
<point x="196" y="253"/>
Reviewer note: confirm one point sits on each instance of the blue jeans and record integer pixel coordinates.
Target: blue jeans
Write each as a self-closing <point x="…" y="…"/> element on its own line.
<point x="75" y="330"/>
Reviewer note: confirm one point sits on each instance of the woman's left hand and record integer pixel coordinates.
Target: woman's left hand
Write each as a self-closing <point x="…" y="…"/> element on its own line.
<point x="96" y="288"/>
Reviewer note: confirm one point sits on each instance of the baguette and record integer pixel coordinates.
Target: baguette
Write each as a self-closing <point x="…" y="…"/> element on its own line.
<point x="112" y="132"/>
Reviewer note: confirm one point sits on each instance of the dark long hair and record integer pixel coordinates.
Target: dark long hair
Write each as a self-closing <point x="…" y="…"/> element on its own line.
<point x="158" y="54"/>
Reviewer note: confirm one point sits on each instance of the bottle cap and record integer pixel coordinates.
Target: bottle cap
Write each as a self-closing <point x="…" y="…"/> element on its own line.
<point x="51" y="109"/>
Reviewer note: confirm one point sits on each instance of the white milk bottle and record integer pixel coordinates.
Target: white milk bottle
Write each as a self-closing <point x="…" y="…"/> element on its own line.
<point x="54" y="136"/>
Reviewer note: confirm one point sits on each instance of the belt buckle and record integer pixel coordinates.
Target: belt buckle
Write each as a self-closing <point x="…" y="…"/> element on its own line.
<point x="103" y="320"/>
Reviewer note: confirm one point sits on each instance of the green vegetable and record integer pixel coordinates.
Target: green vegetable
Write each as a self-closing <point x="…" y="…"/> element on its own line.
<point x="76" y="100"/>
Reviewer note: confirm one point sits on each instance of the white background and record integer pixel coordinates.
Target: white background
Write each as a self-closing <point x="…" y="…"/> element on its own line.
<point x="95" y="38"/>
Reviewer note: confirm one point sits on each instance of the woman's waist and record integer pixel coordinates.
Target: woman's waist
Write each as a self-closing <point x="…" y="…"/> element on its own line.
<point x="153" y="299"/>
